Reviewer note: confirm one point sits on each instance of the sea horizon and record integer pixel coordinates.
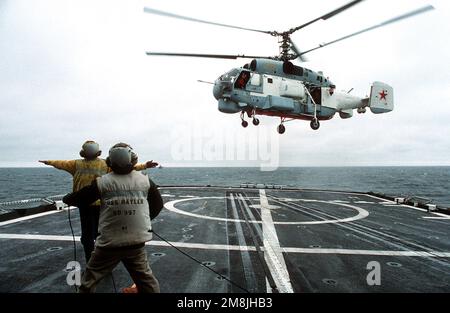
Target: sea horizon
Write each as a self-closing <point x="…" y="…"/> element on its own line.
<point x="433" y="182"/>
<point x="241" y="166"/>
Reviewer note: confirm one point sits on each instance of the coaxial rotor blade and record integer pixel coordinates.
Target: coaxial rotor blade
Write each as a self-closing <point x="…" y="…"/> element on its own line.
<point x="393" y="20"/>
<point x="327" y="16"/>
<point x="215" y="56"/>
<point x="297" y="51"/>
<point x="187" y="18"/>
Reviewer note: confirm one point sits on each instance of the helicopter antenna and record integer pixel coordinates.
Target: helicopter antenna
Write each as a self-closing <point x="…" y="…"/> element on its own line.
<point x="204" y="82"/>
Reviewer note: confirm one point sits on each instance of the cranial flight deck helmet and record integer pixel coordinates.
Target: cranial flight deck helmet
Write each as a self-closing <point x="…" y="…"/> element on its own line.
<point x="122" y="158"/>
<point x="90" y="150"/>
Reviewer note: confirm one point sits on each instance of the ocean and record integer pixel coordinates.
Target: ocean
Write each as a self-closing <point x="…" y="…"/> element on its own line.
<point x="429" y="182"/>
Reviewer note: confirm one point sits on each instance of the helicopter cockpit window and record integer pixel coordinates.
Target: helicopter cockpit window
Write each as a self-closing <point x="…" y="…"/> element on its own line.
<point x="242" y="80"/>
<point x="298" y="70"/>
<point x="228" y="76"/>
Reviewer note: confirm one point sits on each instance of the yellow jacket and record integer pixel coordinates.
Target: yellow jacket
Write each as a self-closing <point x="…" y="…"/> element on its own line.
<point x="84" y="172"/>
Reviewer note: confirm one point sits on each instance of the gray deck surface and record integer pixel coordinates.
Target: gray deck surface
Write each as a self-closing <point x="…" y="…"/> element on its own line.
<point x="294" y="240"/>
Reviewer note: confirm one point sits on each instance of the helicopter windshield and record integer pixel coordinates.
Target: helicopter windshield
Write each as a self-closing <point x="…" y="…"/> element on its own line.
<point x="230" y="75"/>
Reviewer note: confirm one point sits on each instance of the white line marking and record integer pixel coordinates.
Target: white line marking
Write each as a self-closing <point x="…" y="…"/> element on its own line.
<point x="441" y="214"/>
<point x="203" y="246"/>
<point x="38" y="237"/>
<point x="260" y="234"/>
<point x="428" y="254"/>
<point x="268" y="288"/>
<point x="273" y="254"/>
<point x="246" y="260"/>
<point x="394" y="204"/>
<point x="150" y="243"/>
<point x="240" y="189"/>
<point x="437" y="217"/>
<point x="28" y="217"/>
<point x="362" y="213"/>
<point x="206" y="246"/>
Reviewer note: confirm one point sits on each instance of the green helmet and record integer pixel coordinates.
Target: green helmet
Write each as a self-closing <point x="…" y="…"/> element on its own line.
<point x="121" y="158"/>
<point x="90" y="150"/>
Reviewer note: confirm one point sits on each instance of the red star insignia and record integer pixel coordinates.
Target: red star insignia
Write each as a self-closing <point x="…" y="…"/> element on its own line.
<point x="383" y="95"/>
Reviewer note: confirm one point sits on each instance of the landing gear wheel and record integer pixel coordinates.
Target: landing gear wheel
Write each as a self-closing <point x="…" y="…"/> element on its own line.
<point x="281" y="129"/>
<point x="244" y="124"/>
<point x="255" y="121"/>
<point x="315" y="124"/>
<point x="361" y="110"/>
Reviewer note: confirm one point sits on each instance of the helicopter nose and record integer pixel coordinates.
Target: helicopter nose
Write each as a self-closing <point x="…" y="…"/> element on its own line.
<point x="217" y="89"/>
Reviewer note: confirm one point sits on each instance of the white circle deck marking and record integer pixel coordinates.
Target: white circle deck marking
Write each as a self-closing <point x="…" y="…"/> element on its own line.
<point x="361" y="213"/>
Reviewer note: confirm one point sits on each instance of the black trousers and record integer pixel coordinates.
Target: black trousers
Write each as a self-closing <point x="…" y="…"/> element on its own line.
<point x="89" y="216"/>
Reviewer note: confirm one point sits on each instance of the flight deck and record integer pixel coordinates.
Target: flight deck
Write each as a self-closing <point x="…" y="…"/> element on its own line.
<point x="257" y="240"/>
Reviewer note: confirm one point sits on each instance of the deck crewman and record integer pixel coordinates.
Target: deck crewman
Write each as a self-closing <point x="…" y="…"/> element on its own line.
<point x="129" y="200"/>
<point x="84" y="171"/>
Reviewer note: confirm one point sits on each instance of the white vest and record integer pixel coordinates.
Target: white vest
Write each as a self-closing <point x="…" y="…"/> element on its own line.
<point x="124" y="214"/>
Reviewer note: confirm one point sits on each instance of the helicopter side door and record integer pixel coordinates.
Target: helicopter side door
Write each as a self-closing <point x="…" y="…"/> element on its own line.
<point x="316" y="94"/>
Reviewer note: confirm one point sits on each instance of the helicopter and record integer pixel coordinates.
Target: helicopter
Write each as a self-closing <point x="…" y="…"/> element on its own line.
<point x="274" y="86"/>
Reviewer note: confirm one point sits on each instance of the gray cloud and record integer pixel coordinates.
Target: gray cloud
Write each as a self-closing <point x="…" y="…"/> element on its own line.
<point x="71" y="71"/>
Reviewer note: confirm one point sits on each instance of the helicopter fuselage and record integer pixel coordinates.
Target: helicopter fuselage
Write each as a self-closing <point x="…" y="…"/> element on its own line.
<point x="276" y="88"/>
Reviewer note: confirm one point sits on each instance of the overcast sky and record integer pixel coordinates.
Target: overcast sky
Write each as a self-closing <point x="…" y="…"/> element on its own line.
<point x="77" y="70"/>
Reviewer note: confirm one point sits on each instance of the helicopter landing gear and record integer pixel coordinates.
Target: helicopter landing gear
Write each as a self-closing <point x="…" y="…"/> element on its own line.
<point x="361" y="110"/>
<point x="315" y="125"/>
<point x="315" y="121"/>
<point x="281" y="129"/>
<point x="244" y="122"/>
<point x="252" y="114"/>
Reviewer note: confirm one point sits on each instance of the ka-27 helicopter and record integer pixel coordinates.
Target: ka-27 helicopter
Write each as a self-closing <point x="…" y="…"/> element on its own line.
<point x="274" y="86"/>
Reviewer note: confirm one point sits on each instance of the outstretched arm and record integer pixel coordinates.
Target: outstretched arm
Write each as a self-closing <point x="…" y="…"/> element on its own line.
<point x="68" y="166"/>
<point x="84" y="196"/>
<point x="146" y="165"/>
<point x="141" y="166"/>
